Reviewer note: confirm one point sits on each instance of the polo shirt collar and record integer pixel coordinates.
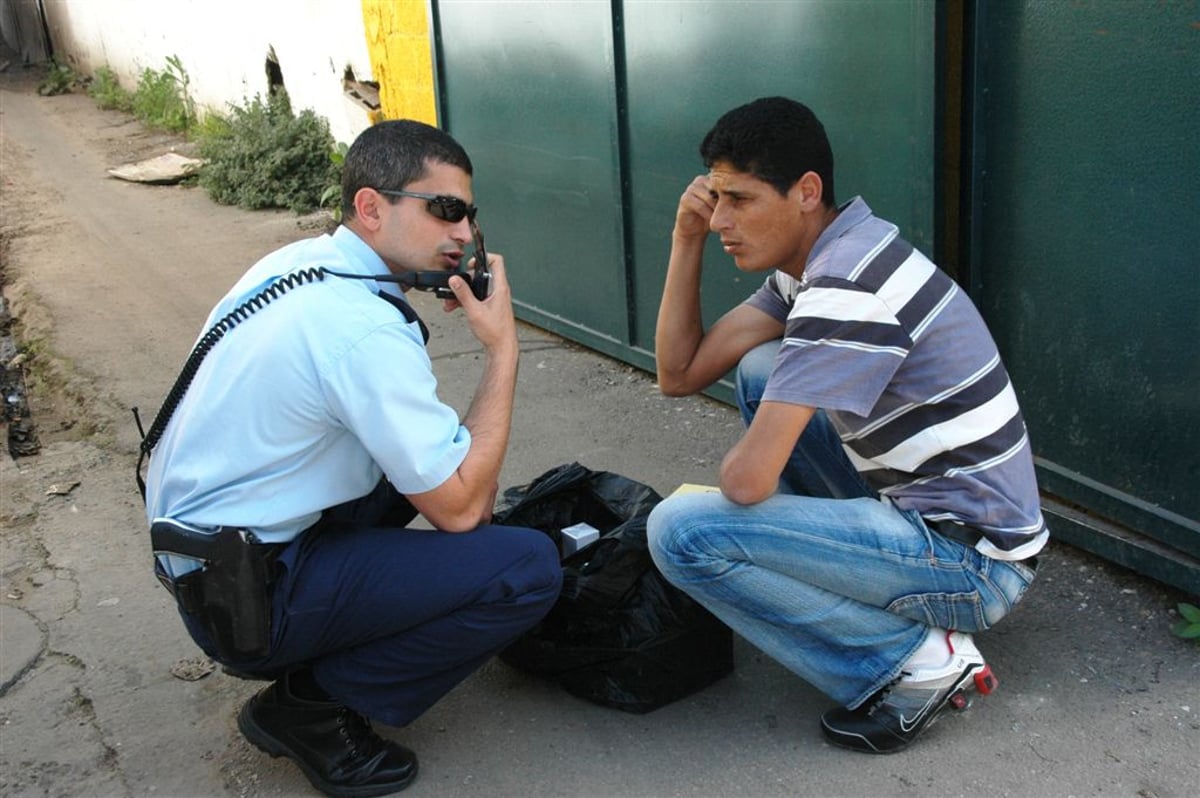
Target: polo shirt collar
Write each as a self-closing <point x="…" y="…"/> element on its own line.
<point x="850" y="214"/>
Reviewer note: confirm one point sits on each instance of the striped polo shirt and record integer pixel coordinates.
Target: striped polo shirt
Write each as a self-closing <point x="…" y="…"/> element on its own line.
<point x="904" y="366"/>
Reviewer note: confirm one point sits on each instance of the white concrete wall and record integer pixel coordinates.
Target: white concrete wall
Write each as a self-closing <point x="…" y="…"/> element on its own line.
<point x="223" y="46"/>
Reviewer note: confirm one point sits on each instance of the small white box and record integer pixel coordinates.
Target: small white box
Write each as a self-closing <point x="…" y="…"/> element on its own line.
<point x="578" y="536"/>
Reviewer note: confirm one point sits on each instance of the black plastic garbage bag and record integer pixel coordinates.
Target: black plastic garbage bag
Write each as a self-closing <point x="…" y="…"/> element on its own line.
<point x="620" y="635"/>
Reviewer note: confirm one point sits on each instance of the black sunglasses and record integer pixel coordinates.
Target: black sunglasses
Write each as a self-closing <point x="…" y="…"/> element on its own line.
<point x="443" y="206"/>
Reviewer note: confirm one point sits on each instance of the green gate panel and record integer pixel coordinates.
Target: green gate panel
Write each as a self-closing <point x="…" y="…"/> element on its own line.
<point x="1085" y="258"/>
<point x="529" y="89"/>
<point x="866" y="68"/>
<point x="583" y="118"/>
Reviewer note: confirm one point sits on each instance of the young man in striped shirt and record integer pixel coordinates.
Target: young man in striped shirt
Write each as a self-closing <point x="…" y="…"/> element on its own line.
<point x="881" y="506"/>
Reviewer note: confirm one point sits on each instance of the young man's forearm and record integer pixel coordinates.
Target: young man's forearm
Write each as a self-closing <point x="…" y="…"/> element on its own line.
<point x="680" y="326"/>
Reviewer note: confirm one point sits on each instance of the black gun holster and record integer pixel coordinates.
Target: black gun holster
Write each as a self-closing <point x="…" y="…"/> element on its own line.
<point x="229" y="596"/>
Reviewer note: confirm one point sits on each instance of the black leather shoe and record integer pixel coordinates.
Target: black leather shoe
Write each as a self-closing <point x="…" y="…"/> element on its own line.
<point x="335" y="746"/>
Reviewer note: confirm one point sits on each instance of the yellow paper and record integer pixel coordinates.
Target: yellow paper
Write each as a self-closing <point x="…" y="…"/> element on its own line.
<point x="688" y="487"/>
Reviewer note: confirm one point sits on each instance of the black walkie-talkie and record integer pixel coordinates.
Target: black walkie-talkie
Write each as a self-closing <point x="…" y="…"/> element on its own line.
<point x="479" y="278"/>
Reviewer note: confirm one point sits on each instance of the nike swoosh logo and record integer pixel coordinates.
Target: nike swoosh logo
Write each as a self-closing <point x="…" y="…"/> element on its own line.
<point x="907" y="724"/>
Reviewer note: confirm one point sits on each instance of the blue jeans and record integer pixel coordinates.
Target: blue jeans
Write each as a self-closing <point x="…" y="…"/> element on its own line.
<point x="834" y="582"/>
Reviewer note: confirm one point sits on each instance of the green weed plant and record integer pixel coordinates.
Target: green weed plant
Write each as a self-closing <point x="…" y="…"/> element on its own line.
<point x="262" y="155"/>
<point x="331" y="197"/>
<point x="59" y="79"/>
<point x="162" y="98"/>
<point x="1189" y="626"/>
<point x="106" y="90"/>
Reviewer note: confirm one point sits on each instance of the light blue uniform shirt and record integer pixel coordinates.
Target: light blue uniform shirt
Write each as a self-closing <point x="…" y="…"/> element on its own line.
<point x="305" y="404"/>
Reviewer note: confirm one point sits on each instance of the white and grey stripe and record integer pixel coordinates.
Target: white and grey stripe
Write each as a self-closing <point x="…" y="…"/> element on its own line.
<point x="904" y="366"/>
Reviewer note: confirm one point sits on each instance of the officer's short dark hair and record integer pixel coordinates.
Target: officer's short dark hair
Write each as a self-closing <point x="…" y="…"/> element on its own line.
<point x="394" y="153"/>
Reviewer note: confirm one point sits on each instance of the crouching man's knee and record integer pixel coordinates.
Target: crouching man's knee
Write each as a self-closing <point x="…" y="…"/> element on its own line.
<point x="670" y="530"/>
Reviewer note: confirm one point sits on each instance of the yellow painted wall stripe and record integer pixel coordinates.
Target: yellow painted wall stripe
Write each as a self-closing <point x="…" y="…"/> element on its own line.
<point x="401" y="58"/>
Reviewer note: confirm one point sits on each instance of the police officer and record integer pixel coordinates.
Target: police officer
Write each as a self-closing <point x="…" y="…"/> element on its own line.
<point x="311" y="435"/>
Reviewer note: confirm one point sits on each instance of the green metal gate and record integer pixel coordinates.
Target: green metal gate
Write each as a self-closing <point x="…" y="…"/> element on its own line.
<point x="1085" y="260"/>
<point x="1076" y="231"/>
<point x="584" y="118"/>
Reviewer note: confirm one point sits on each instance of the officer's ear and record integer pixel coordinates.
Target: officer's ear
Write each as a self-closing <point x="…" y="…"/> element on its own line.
<point x="368" y="208"/>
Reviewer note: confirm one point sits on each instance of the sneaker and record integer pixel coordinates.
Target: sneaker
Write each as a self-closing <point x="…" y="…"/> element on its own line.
<point x="892" y="718"/>
<point x="333" y="745"/>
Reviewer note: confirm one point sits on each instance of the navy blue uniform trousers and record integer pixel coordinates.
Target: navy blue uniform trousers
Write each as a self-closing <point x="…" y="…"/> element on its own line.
<point x="390" y="619"/>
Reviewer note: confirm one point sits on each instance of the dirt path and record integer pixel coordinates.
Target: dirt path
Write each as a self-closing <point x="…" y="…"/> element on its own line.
<point x="119" y="275"/>
<point x="146" y="260"/>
